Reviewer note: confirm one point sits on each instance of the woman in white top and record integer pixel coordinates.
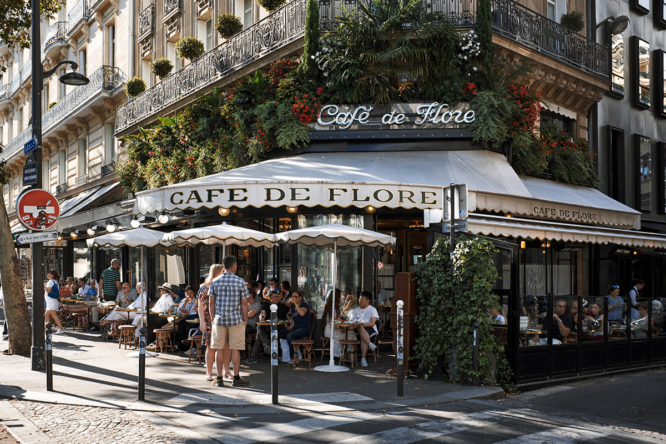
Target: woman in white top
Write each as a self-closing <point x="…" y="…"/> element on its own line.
<point x="52" y="299"/>
<point x="496" y="317"/>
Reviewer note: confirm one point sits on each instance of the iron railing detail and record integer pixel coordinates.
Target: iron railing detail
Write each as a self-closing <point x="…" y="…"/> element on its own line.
<point x="16" y="144"/>
<point x="5" y="92"/>
<point x="169" y="7"/>
<point x="62" y="188"/>
<point x="146" y="20"/>
<point x="56" y="31"/>
<point x="108" y="169"/>
<point x="80" y="11"/>
<point x="275" y="31"/>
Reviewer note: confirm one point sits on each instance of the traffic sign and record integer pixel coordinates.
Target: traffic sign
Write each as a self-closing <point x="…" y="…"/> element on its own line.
<point x="30" y="146"/>
<point x="37" y="209"/>
<point x="459" y="202"/>
<point x="30" y="172"/>
<point x="459" y="225"/>
<point x="31" y="238"/>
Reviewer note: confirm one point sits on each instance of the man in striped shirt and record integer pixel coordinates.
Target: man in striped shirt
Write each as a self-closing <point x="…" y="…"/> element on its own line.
<point x="109" y="282"/>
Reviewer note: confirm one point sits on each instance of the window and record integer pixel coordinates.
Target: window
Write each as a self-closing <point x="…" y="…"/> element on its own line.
<point x="563" y="123"/>
<point x="146" y="75"/>
<point x="247" y="13"/>
<point x="83" y="157"/>
<point x="109" y="144"/>
<point x="661" y="153"/>
<point x="550" y="9"/>
<point x="615" y="152"/>
<point x="63" y="87"/>
<point x="111" y="45"/>
<point x="660" y="69"/>
<point x="659" y="13"/>
<point x="644" y="173"/>
<point x="82" y="62"/>
<point x="20" y="120"/>
<point x="62" y="167"/>
<point x="209" y="34"/>
<point x="45" y="98"/>
<point x="642" y="6"/>
<point x="617" y="50"/>
<point x="171" y="55"/>
<point x="641" y="84"/>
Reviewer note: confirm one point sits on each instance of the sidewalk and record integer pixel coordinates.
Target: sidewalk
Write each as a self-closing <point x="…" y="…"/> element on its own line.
<point x="91" y="372"/>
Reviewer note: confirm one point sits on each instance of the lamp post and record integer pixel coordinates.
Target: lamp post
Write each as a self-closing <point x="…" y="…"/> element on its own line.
<point x="38" y="74"/>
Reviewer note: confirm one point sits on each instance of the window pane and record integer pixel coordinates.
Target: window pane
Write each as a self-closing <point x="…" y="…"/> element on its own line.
<point x="209" y="34"/>
<point x="617" y="47"/>
<point x="644" y="4"/>
<point x="644" y="72"/>
<point x="645" y="174"/>
<point x="663" y="78"/>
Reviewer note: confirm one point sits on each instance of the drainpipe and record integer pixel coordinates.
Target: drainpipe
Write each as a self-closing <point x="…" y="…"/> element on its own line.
<point x="132" y="38"/>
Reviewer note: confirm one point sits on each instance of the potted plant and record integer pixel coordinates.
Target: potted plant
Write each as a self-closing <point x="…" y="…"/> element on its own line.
<point x="52" y="104"/>
<point x="271" y="5"/>
<point x="227" y="25"/>
<point x="189" y="48"/>
<point x="161" y="67"/>
<point x="134" y="87"/>
<point x="573" y="20"/>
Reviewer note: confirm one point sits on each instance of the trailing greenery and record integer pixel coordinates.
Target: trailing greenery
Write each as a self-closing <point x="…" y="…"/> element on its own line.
<point x="228" y="25"/>
<point x="573" y="20"/>
<point x="446" y="320"/>
<point x="271" y="5"/>
<point x="161" y="67"/>
<point x="568" y="160"/>
<point x="189" y="48"/>
<point x="134" y="87"/>
<point x="484" y="29"/>
<point x="309" y="66"/>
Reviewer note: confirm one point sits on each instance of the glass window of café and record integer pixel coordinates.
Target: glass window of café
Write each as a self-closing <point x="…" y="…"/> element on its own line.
<point x="81" y="260"/>
<point x="169" y="265"/>
<point x="550" y="268"/>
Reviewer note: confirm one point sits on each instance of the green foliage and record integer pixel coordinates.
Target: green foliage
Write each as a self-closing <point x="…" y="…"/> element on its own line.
<point x="568" y="161"/>
<point x="309" y="66"/>
<point x="271" y="5"/>
<point x="161" y="67"/>
<point x="492" y="111"/>
<point x="573" y="20"/>
<point x="485" y="31"/>
<point x="52" y="104"/>
<point x="189" y="48"/>
<point x="446" y="321"/>
<point x="134" y="87"/>
<point x="228" y="25"/>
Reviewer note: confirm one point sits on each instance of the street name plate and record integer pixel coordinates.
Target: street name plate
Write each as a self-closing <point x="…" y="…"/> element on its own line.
<point x="31" y="238"/>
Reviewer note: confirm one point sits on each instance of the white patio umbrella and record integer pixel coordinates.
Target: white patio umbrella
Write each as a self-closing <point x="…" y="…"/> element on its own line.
<point x="139" y="237"/>
<point x="221" y="235"/>
<point x="336" y="235"/>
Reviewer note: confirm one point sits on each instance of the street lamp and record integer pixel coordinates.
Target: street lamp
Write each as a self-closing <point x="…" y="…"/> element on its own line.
<point x="38" y="74"/>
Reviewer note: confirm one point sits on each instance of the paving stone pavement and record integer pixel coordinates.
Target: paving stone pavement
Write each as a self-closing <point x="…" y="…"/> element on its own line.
<point x="69" y="424"/>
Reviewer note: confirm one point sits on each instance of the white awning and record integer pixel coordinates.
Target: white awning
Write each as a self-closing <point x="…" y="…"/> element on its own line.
<point x="534" y="229"/>
<point x="557" y="109"/>
<point x="386" y="179"/>
<point x="70" y="203"/>
<point x="90" y="198"/>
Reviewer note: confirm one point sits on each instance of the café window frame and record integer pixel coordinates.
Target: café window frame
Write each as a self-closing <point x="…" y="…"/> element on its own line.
<point x="661" y="164"/>
<point x="618" y="66"/>
<point x="659" y="14"/>
<point x="641" y="6"/>
<point x="641" y="70"/>
<point x="643" y="155"/>
<point x="660" y="82"/>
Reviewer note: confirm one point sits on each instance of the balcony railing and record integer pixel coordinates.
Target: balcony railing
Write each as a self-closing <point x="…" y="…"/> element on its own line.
<point x="4" y="92"/>
<point x="146" y="20"/>
<point x="80" y="11"/>
<point x="170" y="6"/>
<point x="108" y="169"/>
<point x="62" y="188"/>
<point x="275" y="31"/>
<point x="56" y="31"/>
<point x="285" y="25"/>
<point x="106" y="78"/>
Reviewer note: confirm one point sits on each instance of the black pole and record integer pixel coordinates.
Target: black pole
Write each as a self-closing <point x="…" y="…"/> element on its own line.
<point x="49" y="357"/>
<point x="475" y="362"/>
<point x="142" y="362"/>
<point x="452" y="221"/>
<point x="37" y="248"/>
<point x="274" y="355"/>
<point x="400" y="356"/>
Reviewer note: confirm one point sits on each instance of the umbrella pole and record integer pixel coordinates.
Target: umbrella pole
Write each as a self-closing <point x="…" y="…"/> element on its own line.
<point x="333" y="302"/>
<point x="224" y="250"/>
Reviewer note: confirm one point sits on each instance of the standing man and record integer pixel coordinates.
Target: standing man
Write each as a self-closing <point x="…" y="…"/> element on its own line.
<point x="228" y="299"/>
<point x="367" y="314"/>
<point x="634" y="293"/>
<point x="109" y="282"/>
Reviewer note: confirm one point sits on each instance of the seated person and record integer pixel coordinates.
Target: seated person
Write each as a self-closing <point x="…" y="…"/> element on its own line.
<point x="299" y="326"/>
<point x="496" y="317"/>
<point x="367" y="314"/>
<point x="594" y="321"/>
<point x="263" y="332"/>
<point x="138" y="288"/>
<point x="338" y="333"/>
<point x="86" y="292"/>
<point x="285" y="290"/>
<point x="167" y="295"/>
<point x="253" y="309"/>
<point x="187" y="308"/>
<point x="639" y="327"/>
<point x="349" y="304"/>
<point x="561" y="324"/>
<point x="126" y="295"/>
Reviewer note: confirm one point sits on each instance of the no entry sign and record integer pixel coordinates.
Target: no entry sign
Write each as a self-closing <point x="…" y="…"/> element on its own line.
<point x="37" y="209"/>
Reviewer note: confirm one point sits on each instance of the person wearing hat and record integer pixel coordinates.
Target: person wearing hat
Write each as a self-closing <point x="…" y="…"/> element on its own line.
<point x="167" y="297"/>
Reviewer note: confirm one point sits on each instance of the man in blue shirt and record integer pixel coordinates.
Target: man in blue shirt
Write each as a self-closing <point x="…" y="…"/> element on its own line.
<point x="300" y="326"/>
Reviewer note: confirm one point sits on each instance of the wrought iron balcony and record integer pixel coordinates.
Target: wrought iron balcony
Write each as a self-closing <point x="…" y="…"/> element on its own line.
<point x="285" y="25"/>
<point x="170" y="6"/>
<point x="4" y="92"/>
<point x="108" y="169"/>
<point x="56" y="32"/>
<point x="62" y="188"/>
<point x="146" y="20"/>
<point x="106" y="78"/>
<point x="80" y="11"/>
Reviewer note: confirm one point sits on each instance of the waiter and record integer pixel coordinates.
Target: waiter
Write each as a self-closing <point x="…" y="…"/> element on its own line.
<point x="634" y="293"/>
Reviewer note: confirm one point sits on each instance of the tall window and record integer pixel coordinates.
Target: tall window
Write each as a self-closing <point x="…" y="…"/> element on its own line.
<point x="171" y="55"/>
<point x="616" y="164"/>
<point x="111" y="45"/>
<point x="209" y="34"/>
<point x="20" y="120"/>
<point x="641" y="84"/>
<point x="45" y="98"/>
<point x="661" y="156"/>
<point x="82" y="62"/>
<point x="644" y="182"/>
<point x="660" y="69"/>
<point x="83" y="157"/>
<point x="550" y="9"/>
<point x="63" y="87"/>
<point x="247" y="13"/>
<point x="642" y="6"/>
<point x="617" y="49"/>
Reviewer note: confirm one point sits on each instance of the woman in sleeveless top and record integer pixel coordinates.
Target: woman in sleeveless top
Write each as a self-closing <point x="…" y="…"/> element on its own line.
<point x="204" y="316"/>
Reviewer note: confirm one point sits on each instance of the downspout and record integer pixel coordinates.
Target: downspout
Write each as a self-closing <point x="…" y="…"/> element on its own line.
<point x="132" y="37"/>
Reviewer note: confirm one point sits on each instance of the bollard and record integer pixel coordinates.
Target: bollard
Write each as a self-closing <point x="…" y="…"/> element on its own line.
<point x="399" y="373"/>
<point x="142" y="364"/>
<point x="475" y="362"/>
<point x="274" y="355"/>
<point x="49" y="358"/>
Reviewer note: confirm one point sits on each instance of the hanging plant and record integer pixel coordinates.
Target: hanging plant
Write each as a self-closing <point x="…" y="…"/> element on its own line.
<point x="134" y="87"/>
<point x="189" y="48"/>
<point x="573" y="20"/>
<point x="228" y="25"/>
<point x="271" y="5"/>
<point x="161" y="67"/>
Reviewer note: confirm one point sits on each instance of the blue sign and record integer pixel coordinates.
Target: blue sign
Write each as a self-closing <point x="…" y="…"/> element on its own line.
<point x="30" y="146"/>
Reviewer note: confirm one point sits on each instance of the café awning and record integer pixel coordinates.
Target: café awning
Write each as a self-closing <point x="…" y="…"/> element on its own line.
<point x="542" y="230"/>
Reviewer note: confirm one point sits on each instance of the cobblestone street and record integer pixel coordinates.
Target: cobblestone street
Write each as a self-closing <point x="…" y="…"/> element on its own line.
<point x="68" y="424"/>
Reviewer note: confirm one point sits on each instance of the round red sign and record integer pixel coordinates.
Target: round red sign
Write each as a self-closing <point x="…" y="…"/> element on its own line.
<point x="37" y="209"/>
